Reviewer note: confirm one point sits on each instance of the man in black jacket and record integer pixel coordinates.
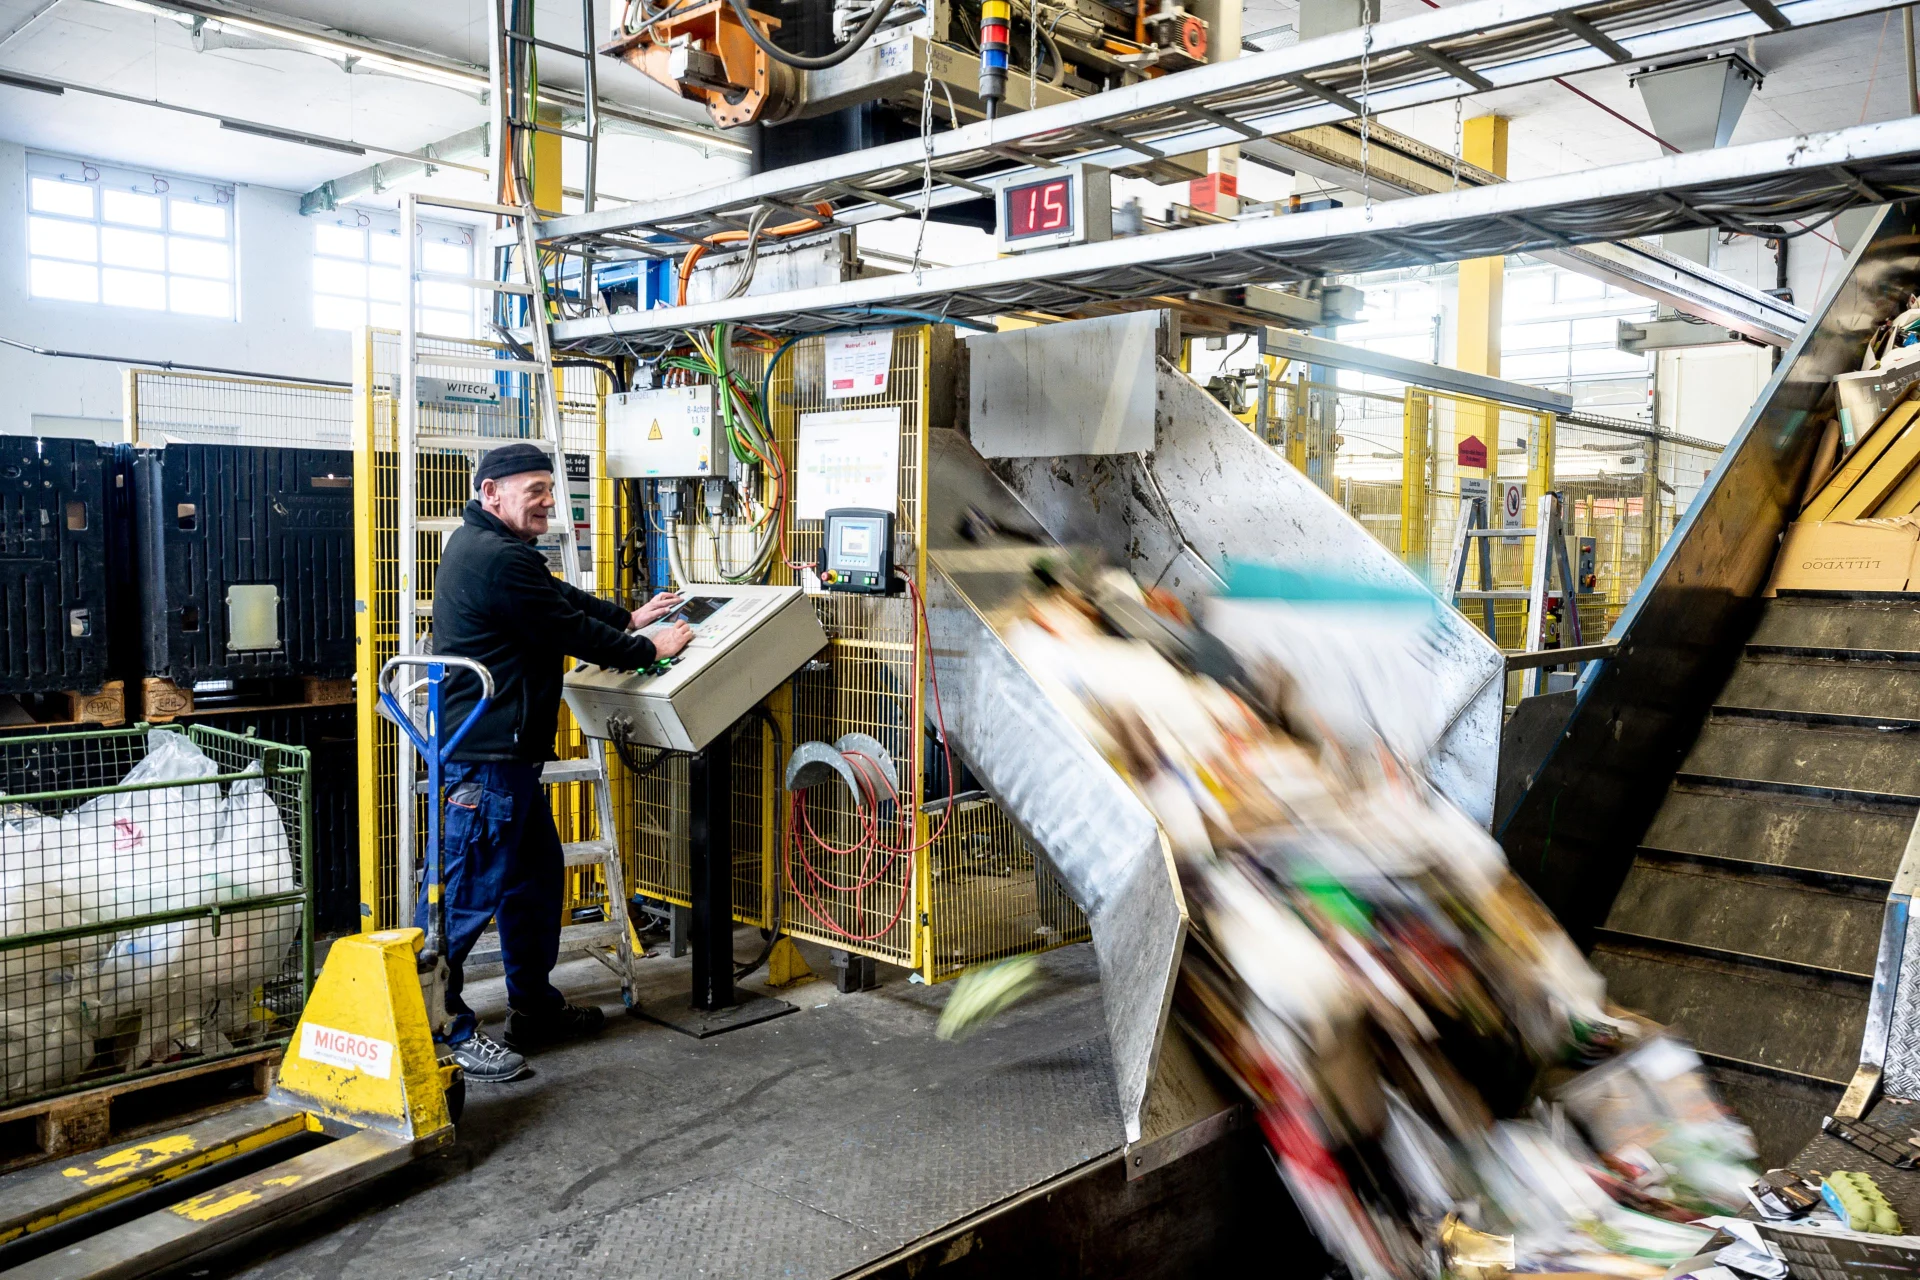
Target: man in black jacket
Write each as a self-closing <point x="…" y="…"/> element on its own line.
<point x="496" y="601"/>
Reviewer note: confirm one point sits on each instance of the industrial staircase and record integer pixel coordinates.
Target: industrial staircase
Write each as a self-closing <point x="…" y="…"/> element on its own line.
<point x="1751" y="915"/>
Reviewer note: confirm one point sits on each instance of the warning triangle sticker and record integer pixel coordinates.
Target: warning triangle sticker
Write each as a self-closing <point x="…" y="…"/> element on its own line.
<point x="656" y="434"/>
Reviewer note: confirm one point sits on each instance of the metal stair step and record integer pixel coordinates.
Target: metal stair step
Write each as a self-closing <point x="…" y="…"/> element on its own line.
<point x="573" y="938"/>
<point x="1781" y="831"/>
<point x="1838" y="626"/>
<point x="1769" y="918"/>
<point x="558" y="771"/>
<point x="1749" y="1014"/>
<point x="1794" y="686"/>
<point x="1790" y="754"/>
<point x="586" y="853"/>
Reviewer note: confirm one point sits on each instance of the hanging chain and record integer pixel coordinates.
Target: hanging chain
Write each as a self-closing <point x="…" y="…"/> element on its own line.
<point x="1366" y="111"/>
<point x="1459" y="148"/>
<point x="926" y="165"/>
<point x="1033" y="54"/>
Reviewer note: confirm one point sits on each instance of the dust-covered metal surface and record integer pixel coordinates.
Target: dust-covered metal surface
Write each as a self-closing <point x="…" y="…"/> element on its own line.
<point x="1210" y="494"/>
<point x="1034" y="760"/>
<point x="1053" y="389"/>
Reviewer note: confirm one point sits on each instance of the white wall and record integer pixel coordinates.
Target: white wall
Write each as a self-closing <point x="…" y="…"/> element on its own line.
<point x="273" y="333"/>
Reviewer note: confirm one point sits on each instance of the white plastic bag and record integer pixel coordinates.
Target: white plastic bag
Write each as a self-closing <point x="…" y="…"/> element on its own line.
<point x="41" y="1047"/>
<point x="251" y="859"/>
<point x="146" y="851"/>
<point x="36" y="897"/>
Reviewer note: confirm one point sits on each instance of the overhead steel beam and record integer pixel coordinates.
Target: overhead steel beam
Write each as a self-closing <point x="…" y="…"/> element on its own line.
<point x="1341" y="355"/>
<point x="1751" y="189"/>
<point x="1400" y="166"/>
<point x="1503" y="42"/>
<point x="1642" y="336"/>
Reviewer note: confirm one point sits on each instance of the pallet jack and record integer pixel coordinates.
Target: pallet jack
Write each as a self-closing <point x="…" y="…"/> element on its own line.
<point x="361" y="1089"/>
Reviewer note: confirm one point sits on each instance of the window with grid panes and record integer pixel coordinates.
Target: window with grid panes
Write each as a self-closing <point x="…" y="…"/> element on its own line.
<point x="122" y="238"/>
<point x="358" y="271"/>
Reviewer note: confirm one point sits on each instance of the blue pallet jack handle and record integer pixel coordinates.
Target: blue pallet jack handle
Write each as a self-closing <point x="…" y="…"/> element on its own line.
<point x="434" y="748"/>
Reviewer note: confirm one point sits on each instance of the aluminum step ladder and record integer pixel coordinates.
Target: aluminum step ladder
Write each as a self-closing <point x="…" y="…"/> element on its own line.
<point x="611" y="939"/>
<point x="1549" y="559"/>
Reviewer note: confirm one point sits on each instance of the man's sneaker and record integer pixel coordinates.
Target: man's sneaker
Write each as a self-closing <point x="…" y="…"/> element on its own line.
<point x="527" y="1032"/>
<point x="487" y="1061"/>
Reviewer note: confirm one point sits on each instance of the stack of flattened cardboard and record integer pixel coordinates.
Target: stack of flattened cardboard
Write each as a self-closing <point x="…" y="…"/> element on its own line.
<point x="1860" y="528"/>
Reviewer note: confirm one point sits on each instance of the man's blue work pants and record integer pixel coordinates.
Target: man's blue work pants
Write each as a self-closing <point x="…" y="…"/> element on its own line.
<point x="501" y="861"/>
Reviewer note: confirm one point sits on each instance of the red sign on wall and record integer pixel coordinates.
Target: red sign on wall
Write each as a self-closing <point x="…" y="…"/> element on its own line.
<point x="1473" y="453"/>
<point x="1204" y="193"/>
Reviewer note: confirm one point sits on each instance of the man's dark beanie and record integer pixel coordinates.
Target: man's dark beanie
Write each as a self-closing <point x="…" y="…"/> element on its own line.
<point x="511" y="460"/>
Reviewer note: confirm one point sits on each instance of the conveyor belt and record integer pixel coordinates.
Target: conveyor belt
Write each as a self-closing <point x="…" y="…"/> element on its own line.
<point x="1208" y="493"/>
<point x="1725" y="817"/>
<point x="1750" y="918"/>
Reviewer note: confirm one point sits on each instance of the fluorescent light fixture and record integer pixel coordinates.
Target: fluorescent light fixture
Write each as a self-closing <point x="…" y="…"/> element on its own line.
<point x="290" y="135"/>
<point x="460" y="76"/>
<point x="34" y="83"/>
<point x="469" y="80"/>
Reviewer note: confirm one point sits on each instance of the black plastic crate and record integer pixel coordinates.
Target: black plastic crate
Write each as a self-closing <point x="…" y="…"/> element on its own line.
<point x="246" y="561"/>
<point x="329" y="734"/>
<point x="55" y="599"/>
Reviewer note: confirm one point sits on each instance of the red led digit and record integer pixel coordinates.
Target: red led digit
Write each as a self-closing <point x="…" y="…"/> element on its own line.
<point x="1038" y="209"/>
<point x="1050" y="199"/>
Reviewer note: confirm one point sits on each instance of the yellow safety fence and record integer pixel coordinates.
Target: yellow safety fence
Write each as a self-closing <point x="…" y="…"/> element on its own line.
<point x="976" y="893"/>
<point x="1395" y="463"/>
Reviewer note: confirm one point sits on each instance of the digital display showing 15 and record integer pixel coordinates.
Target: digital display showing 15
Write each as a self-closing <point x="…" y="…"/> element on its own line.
<point x="1039" y="209"/>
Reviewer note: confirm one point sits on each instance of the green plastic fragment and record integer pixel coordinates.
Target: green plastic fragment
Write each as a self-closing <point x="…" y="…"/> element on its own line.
<point x="983" y="992"/>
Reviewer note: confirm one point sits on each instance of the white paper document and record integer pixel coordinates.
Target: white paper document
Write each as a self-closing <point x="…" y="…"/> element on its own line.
<point x="857" y="364"/>
<point x="847" y="458"/>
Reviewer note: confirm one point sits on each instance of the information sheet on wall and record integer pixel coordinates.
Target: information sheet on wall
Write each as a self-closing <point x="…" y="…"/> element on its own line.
<point x="847" y="458"/>
<point x="857" y="364"/>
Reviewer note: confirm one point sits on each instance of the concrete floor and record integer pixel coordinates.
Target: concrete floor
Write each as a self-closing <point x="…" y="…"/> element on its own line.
<point x="803" y="1146"/>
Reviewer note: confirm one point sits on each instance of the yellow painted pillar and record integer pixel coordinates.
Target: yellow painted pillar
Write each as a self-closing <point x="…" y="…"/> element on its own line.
<point x="1414" y="514"/>
<point x="1477" y="320"/>
<point x="371" y="647"/>
<point x="546" y="162"/>
<point x="1540" y="457"/>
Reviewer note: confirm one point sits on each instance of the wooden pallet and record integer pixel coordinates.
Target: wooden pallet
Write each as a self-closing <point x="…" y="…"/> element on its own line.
<point x="106" y="708"/>
<point x="162" y="700"/>
<point x="72" y="1122"/>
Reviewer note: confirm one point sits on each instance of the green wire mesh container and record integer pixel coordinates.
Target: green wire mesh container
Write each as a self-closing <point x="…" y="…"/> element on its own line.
<point x="155" y="903"/>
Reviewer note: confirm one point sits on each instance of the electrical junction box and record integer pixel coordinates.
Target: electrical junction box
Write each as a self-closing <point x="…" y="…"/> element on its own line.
<point x="1584" y="558"/>
<point x="746" y="640"/>
<point x="666" y="433"/>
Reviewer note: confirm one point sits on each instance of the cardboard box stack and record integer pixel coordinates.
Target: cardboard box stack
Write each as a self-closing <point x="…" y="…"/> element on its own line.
<point x="1859" y="530"/>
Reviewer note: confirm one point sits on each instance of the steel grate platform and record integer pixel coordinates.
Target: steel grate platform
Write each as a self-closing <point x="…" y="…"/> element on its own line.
<point x="893" y="1175"/>
<point x="803" y="1147"/>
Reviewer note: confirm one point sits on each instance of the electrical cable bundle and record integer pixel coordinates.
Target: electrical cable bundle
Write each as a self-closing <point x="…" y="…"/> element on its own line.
<point x="749" y="441"/>
<point x="875" y="788"/>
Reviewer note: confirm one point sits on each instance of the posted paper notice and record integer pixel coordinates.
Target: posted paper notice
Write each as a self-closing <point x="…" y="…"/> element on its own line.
<point x="857" y="364"/>
<point x="847" y="458"/>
